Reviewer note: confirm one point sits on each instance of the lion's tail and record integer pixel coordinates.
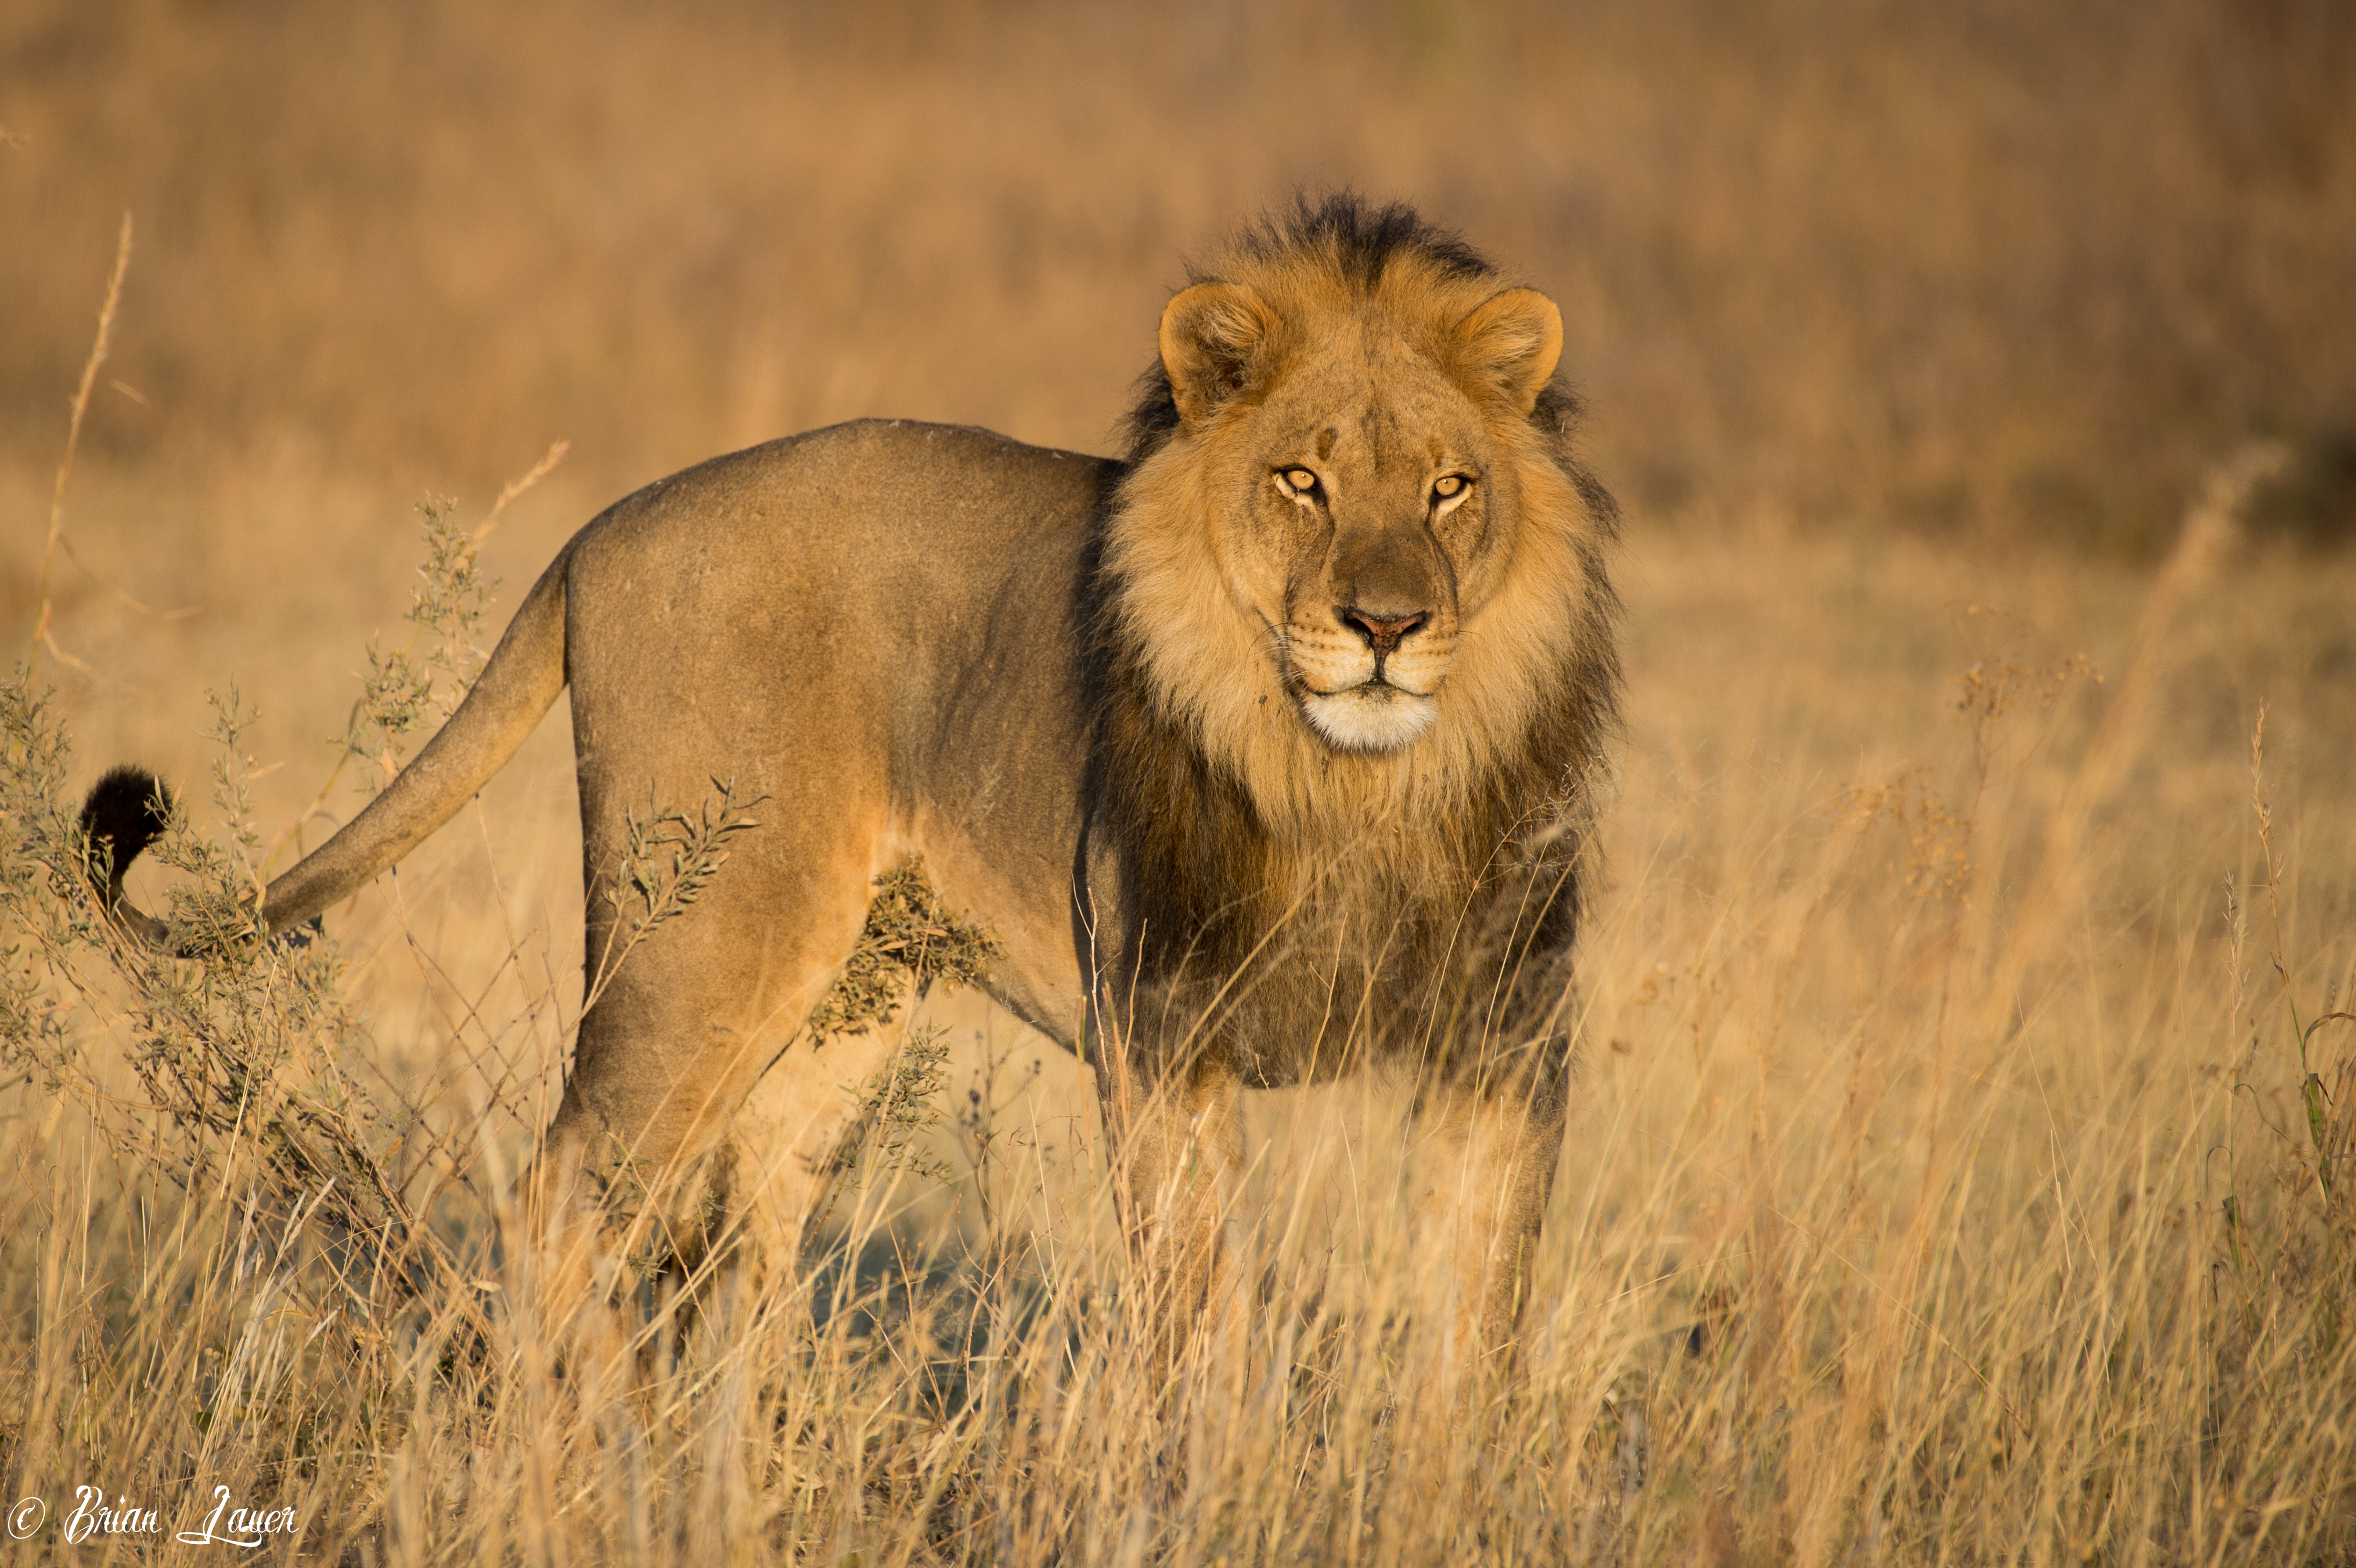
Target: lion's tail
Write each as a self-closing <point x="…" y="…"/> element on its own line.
<point x="522" y="680"/>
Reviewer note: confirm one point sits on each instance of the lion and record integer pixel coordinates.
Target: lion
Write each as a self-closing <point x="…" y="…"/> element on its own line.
<point x="1263" y="752"/>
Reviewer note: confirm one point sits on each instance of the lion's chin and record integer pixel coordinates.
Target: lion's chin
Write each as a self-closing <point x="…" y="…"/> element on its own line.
<point x="1370" y="718"/>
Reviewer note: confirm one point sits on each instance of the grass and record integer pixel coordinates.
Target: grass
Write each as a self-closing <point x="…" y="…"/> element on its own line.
<point x="1930" y="1198"/>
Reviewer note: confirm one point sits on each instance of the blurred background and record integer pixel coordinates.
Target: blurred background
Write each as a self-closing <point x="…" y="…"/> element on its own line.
<point x="1997" y="268"/>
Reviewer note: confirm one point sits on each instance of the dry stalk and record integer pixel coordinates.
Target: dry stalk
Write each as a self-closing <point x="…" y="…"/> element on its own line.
<point x="41" y="637"/>
<point x="2057" y="884"/>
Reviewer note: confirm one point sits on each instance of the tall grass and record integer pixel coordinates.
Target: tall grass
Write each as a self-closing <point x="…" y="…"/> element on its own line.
<point x="1962" y="1173"/>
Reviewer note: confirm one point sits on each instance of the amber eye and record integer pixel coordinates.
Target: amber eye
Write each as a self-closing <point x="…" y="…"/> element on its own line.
<point x="1448" y="486"/>
<point x="1300" y="481"/>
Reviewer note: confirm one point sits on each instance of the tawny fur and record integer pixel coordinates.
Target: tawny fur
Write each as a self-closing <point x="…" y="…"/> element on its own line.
<point x="1252" y="782"/>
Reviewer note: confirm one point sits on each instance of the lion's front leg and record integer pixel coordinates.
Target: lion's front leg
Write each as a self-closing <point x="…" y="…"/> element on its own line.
<point x="1480" y="1199"/>
<point x="1178" y="1156"/>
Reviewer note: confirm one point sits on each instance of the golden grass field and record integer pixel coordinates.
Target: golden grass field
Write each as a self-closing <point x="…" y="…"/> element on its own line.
<point x="1942" y="1184"/>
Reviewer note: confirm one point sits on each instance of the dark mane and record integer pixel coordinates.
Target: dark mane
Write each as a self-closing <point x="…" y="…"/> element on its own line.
<point x="1363" y="238"/>
<point x="1475" y="924"/>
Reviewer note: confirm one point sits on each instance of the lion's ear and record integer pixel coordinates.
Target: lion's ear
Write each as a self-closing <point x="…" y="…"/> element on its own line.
<point x="1212" y="338"/>
<point x="1515" y="339"/>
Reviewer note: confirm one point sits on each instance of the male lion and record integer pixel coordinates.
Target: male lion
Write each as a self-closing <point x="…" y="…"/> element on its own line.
<point x="1262" y="752"/>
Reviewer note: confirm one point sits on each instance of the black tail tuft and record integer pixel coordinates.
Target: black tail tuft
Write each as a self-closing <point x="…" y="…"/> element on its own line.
<point x="127" y="810"/>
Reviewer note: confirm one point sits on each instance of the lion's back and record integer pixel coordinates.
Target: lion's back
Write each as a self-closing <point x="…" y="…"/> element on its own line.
<point x="878" y="540"/>
<point x="878" y="501"/>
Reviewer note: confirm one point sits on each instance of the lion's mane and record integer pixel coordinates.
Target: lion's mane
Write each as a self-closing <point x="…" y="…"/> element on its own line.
<point x="1234" y="825"/>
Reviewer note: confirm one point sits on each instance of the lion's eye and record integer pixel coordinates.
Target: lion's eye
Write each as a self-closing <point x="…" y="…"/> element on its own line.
<point x="1448" y="486"/>
<point x="1300" y="481"/>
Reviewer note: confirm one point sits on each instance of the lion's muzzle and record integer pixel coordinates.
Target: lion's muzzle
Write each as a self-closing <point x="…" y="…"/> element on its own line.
<point x="1368" y="679"/>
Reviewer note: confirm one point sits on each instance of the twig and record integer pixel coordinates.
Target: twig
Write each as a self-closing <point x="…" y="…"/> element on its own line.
<point x="539" y="471"/>
<point x="73" y="440"/>
<point x="137" y="605"/>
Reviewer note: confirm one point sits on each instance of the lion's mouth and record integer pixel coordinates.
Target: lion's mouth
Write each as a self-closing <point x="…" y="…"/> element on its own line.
<point x="1374" y="685"/>
<point x="1372" y="716"/>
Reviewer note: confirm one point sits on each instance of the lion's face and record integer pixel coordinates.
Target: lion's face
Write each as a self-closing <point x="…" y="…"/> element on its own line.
<point x="1357" y="531"/>
<point x="1359" y="509"/>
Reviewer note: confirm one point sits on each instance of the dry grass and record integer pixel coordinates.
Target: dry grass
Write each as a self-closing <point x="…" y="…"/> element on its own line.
<point x="1942" y="1184"/>
<point x="1856" y="1257"/>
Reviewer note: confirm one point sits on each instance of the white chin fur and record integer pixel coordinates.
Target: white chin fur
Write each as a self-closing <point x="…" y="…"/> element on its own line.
<point x="1370" y="718"/>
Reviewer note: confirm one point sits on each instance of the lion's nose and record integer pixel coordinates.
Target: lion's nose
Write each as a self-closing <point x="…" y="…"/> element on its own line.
<point x="1383" y="632"/>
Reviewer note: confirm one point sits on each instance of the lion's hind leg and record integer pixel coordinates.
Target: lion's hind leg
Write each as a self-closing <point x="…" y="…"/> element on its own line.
<point x="725" y="1160"/>
<point x="799" y="1137"/>
<point x="643" y="1170"/>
